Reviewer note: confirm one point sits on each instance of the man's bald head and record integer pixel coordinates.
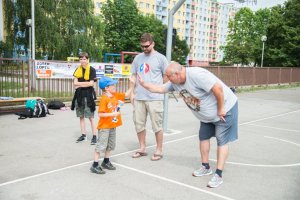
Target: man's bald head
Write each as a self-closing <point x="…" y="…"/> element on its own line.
<point x="176" y="73"/>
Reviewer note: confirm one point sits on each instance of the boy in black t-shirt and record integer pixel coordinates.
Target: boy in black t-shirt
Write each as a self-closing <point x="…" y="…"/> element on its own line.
<point x="84" y="97"/>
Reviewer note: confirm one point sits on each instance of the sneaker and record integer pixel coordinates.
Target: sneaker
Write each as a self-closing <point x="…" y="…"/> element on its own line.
<point x="94" y="141"/>
<point x="97" y="170"/>
<point x="108" y="166"/>
<point x="202" y="172"/>
<point x="81" y="138"/>
<point x="215" y="181"/>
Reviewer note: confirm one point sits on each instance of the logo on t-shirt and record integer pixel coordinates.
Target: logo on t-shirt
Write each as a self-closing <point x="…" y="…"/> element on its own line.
<point x="192" y="102"/>
<point x="144" y="68"/>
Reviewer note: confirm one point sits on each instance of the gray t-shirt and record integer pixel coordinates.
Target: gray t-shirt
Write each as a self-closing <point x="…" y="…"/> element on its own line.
<point x="151" y="68"/>
<point x="197" y="87"/>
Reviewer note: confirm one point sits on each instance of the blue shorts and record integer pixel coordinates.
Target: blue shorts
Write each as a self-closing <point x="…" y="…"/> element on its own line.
<point x="225" y="132"/>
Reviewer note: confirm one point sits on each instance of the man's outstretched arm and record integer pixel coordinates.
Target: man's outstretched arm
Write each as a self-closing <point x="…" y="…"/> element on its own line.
<point x="151" y="87"/>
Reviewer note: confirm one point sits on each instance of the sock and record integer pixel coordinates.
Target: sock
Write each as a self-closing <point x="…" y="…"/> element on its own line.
<point x="95" y="164"/>
<point x="219" y="172"/>
<point x="206" y="165"/>
<point x="94" y="136"/>
<point x="106" y="160"/>
<point x="84" y="135"/>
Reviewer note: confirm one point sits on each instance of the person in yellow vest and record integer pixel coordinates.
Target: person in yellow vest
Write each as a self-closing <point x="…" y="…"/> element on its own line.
<point x="85" y="96"/>
<point x="109" y="119"/>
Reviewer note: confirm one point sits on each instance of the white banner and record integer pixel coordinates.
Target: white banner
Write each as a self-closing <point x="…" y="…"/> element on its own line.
<point x="49" y="69"/>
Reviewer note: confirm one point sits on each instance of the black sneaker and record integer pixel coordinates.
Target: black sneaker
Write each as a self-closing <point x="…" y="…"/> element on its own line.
<point x="108" y="166"/>
<point x="93" y="141"/>
<point x="97" y="170"/>
<point x="81" y="138"/>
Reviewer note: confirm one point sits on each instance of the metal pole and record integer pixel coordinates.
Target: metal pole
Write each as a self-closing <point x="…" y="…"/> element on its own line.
<point x="33" y="30"/>
<point x="168" y="55"/>
<point x="30" y="57"/>
<point x="262" y="55"/>
<point x="33" y="80"/>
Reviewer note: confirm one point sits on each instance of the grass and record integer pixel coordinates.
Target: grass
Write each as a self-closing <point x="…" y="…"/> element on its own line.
<point x="265" y="87"/>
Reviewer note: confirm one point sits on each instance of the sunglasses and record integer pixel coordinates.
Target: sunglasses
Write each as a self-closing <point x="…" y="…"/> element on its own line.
<point x="145" y="46"/>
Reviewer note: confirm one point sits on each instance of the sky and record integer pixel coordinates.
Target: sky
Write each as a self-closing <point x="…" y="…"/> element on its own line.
<point x="260" y="3"/>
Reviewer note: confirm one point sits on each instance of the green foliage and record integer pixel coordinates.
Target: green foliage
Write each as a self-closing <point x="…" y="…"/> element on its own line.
<point x="125" y="24"/>
<point x="284" y="36"/>
<point x="121" y="26"/>
<point x="281" y="25"/>
<point x="62" y="27"/>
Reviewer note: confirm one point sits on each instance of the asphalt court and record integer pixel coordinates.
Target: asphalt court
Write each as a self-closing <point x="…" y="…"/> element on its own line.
<point x="39" y="158"/>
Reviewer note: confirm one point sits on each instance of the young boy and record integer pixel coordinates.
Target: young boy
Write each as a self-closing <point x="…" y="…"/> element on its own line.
<point x="84" y="97"/>
<point x="110" y="118"/>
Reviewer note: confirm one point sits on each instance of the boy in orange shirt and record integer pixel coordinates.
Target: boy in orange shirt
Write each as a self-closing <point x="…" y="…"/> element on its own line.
<point x="110" y="118"/>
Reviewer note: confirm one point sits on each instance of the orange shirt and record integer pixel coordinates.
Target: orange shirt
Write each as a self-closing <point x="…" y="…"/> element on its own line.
<point x="109" y="105"/>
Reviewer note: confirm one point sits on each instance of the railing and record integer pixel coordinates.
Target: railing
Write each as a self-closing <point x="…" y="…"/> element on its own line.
<point x="17" y="79"/>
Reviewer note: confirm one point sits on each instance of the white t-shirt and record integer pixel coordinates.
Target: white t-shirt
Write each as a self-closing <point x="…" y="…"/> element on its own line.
<point x="197" y="88"/>
<point x="151" y="68"/>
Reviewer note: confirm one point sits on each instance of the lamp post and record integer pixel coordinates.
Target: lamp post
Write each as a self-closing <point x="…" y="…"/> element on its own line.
<point x="28" y="23"/>
<point x="263" y="39"/>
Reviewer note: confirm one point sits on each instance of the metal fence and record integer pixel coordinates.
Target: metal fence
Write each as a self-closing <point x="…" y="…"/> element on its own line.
<point x="18" y="79"/>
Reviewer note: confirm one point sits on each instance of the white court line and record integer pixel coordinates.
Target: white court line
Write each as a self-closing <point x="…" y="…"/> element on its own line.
<point x="84" y="163"/>
<point x="283" y="140"/>
<point x="268" y="117"/>
<point x="172" y="181"/>
<point x="282" y="129"/>
<point x="184" y="138"/>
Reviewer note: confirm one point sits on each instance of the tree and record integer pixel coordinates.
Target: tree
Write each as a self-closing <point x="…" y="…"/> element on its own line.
<point x="125" y="24"/>
<point x="121" y="26"/>
<point x="280" y="24"/>
<point x="63" y="27"/>
<point x="243" y="41"/>
<point x="284" y="35"/>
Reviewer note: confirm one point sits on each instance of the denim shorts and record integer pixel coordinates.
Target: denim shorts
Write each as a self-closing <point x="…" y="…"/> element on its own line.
<point x="225" y="132"/>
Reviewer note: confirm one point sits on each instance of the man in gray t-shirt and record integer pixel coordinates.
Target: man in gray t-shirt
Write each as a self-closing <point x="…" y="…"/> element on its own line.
<point x="151" y="66"/>
<point x="213" y="103"/>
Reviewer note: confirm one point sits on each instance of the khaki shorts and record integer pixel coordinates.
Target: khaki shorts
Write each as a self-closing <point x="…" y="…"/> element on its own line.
<point x="106" y="140"/>
<point x="84" y="112"/>
<point x="141" y="109"/>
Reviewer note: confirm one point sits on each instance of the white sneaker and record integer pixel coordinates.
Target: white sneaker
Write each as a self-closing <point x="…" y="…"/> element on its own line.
<point x="215" y="181"/>
<point x="202" y="172"/>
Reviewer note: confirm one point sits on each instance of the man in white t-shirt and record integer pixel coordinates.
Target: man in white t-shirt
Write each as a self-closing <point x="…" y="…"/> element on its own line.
<point x="151" y="66"/>
<point x="213" y="103"/>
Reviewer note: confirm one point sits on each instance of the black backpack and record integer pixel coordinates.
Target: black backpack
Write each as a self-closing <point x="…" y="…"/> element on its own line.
<point x="34" y="108"/>
<point x="40" y="109"/>
<point x="28" y="112"/>
<point x="55" y="104"/>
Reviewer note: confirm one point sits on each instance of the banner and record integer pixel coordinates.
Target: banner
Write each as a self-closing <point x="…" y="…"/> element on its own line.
<point x="49" y="69"/>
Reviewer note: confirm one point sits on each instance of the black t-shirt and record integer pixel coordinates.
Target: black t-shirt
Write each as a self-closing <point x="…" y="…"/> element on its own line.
<point x="92" y="75"/>
<point x="84" y="90"/>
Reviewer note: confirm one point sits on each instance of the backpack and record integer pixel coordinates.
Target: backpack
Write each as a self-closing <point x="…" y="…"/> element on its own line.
<point x="55" y="104"/>
<point x="40" y="108"/>
<point x="28" y="112"/>
<point x="34" y="108"/>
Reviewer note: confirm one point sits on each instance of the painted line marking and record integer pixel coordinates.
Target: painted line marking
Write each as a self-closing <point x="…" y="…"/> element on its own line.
<point x="174" y="182"/>
<point x="184" y="138"/>
<point x="282" y="140"/>
<point x="282" y="129"/>
<point x="274" y="116"/>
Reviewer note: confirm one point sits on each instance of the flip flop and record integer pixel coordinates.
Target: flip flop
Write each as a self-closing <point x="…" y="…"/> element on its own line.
<point x="139" y="154"/>
<point x="156" y="157"/>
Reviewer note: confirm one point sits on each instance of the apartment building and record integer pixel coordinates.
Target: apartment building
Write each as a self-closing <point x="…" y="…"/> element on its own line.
<point x="202" y="23"/>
